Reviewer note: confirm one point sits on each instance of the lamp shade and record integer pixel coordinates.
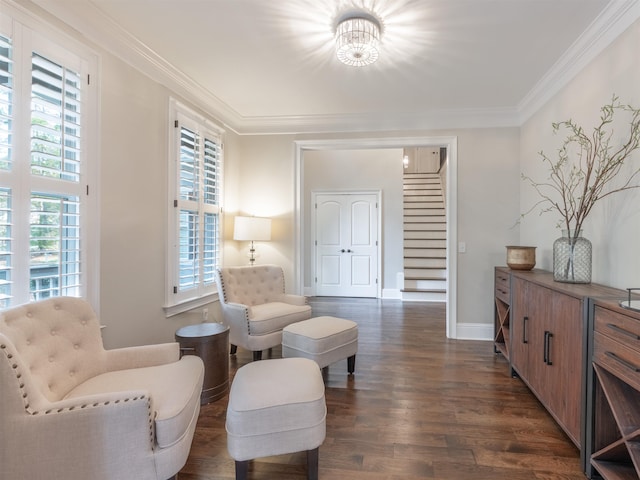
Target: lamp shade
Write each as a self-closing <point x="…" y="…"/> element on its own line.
<point x="252" y="228"/>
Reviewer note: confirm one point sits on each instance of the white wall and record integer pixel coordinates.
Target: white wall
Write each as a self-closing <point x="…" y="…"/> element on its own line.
<point x="488" y="183"/>
<point x="133" y="187"/>
<point x="614" y="225"/>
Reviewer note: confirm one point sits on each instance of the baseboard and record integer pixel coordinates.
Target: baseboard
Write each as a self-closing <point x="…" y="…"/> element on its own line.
<point x="392" y="293"/>
<point x="474" y="331"/>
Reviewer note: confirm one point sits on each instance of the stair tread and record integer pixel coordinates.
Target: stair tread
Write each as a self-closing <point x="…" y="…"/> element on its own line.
<point x="426" y="279"/>
<point x="425" y="290"/>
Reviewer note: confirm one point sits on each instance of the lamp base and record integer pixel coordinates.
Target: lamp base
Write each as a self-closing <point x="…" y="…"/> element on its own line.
<point x="252" y="254"/>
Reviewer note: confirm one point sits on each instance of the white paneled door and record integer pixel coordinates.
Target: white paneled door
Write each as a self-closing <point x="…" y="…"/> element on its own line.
<point x="346" y="241"/>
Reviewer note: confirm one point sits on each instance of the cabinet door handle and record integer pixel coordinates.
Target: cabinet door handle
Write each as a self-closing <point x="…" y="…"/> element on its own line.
<point x="524" y="329"/>
<point x="622" y="361"/>
<point x="547" y="347"/>
<point x="623" y="331"/>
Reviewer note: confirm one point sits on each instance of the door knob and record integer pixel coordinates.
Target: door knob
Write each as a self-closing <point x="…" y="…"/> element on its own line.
<point x="342" y="250"/>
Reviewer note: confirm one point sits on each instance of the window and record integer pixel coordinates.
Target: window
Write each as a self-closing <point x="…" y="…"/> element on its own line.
<point x="195" y="167"/>
<point x="44" y="168"/>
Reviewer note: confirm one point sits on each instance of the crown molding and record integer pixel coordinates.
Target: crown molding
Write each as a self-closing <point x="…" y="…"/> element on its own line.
<point x="610" y="24"/>
<point x="381" y="121"/>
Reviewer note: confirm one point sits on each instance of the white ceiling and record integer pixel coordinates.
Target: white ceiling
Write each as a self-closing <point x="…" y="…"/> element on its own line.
<point x="269" y="66"/>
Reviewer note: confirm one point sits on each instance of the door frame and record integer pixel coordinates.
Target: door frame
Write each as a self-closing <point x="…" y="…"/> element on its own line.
<point x="313" y="246"/>
<point x="450" y="142"/>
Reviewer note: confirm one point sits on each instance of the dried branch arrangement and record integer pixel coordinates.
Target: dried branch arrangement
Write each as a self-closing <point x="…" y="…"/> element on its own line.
<point x="586" y="164"/>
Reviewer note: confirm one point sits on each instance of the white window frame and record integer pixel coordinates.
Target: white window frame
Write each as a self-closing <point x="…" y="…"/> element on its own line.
<point x="29" y="34"/>
<point x="180" y="301"/>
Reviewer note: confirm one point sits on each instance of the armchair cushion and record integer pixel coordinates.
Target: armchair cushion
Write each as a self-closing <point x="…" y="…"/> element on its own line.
<point x="173" y="389"/>
<point x="274" y="316"/>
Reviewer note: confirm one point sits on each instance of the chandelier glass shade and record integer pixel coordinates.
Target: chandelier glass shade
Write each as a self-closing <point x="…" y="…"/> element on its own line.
<point x="357" y="41"/>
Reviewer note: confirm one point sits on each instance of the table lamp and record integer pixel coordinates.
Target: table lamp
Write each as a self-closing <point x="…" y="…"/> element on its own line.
<point x="252" y="229"/>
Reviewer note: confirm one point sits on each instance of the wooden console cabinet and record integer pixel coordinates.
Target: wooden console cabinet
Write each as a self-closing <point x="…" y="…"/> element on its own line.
<point x="613" y="443"/>
<point x="549" y="338"/>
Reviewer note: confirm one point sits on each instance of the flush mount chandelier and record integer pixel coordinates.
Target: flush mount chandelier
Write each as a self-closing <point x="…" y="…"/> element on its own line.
<point x="357" y="39"/>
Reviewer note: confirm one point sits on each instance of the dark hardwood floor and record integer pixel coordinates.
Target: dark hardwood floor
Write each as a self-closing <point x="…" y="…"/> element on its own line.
<point x="418" y="406"/>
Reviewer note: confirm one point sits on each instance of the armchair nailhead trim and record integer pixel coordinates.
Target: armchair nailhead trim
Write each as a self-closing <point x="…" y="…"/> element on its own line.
<point x="96" y="404"/>
<point x="18" y="375"/>
<point x="14" y="366"/>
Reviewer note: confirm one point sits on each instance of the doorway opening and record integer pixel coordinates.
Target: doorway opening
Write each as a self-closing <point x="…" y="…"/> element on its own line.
<point x="302" y="198"/>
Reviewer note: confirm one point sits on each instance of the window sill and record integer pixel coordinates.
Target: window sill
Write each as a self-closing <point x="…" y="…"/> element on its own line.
<point x="185" y="306"/>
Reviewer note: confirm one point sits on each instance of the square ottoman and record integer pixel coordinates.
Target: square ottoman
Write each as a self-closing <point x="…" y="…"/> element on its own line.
<point x="324" y="340"/>
<point x="276" y="407"/>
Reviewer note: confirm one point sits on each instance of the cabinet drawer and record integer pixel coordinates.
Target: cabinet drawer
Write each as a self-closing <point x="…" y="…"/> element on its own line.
<point x="622" y="361"/>
<point x="502" y="286"/>
<point x="619" y="327"/>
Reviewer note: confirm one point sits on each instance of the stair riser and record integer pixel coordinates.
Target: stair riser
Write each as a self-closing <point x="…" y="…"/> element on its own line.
<point x="411" y="219"/>
<point x="422" y="190"/>
<point x="425" y="262"/>
<point x="425" y="252"/>
<point x="426" y="235"/>
<point x="422" y="181"/>
<point x="421" y="226"/>
<point x="418" y="243"/>
<point x="426" y="284"/>
<point x="432" y="205"/>
<point x="425" y="273"/>
<point x="412" y="212"/>
<point x="424" y="297"/>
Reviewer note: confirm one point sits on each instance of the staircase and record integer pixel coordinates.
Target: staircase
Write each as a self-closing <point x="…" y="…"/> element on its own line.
<point x="425" y="242"/>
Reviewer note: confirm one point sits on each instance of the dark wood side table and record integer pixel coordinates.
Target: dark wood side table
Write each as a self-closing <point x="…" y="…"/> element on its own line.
<point x="210" y="341"/>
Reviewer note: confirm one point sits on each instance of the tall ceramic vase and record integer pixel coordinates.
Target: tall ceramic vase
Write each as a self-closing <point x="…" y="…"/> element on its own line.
<point x="572" y="258"/>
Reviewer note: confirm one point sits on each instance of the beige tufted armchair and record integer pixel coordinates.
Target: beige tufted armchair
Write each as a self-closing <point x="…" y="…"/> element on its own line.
<point x="71" y="409"/>
<point x="256" y="307"/>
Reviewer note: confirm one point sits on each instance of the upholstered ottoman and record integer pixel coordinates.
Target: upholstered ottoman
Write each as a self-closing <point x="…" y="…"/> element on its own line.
<point x="276" y="407"/>
<point x="325" y="340"/>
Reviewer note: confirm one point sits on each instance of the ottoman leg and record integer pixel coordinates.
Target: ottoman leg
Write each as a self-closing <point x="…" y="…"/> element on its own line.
<point x="242" y="469"/>
<point x="233" y="349"/>
<point x="257" y="355"/>
<point x="312" y="464"/>
<point x="351" y="364"/>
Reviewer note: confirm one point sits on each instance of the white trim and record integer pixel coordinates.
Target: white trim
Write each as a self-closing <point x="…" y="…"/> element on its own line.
<point x="450" y="142"/>
<point x="391" y="294"/>
<point x="474" y="331"/>
<point x="172" y="310"/>
<point x="617" y="16"/>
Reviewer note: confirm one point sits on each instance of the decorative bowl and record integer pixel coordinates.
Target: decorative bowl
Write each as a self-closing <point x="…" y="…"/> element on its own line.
<point x="521" y="258"/>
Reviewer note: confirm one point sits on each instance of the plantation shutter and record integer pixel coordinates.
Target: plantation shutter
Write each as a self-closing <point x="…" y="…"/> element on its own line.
<point x="198" y="209"/>
<point x="55" y="245"/>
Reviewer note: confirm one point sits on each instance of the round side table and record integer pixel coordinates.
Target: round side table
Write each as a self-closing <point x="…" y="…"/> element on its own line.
<point x="210" y="341"/>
